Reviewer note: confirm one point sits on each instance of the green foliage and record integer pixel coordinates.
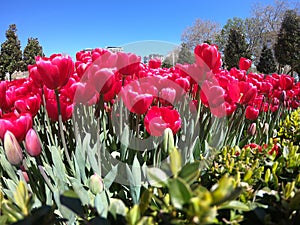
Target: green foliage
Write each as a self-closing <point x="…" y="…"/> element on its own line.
<point x="290" y="128"/>
<point x="185" y="55"/>
<point x="32" y="49"/>
<point x="266" y="62"/>
<point x="167" y="63"/>
<point x="287" y="47"/>
<point x="11" y="54"/>
<point x="222" y="37"/>
<point x="236" y="47"/>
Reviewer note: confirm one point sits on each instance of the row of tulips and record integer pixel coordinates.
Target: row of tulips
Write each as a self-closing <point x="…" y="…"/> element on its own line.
<point x="102" y="79"/>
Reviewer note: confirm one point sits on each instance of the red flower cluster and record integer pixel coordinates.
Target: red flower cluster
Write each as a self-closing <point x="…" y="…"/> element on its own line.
<point x="147" y="90"/>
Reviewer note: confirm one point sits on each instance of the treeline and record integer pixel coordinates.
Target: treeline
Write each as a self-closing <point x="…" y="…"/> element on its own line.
<point x="11" y="56"/>
<point x="270" y="38"/>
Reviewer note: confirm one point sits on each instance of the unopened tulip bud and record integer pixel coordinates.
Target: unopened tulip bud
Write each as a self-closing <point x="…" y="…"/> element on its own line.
<point x="282" y="96"/>
<point x="252" y="129"/>
<point x="267" y="175"/>
<point x="96" y="184"/>
<point x="32" y="143"/>
<point x="168" y="142"/>
<point x="266" y="128"/>
<point x="12" y="148"/>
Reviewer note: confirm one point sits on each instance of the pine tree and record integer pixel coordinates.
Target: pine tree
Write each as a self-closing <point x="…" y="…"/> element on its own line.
<point x="235" y="48"/>
<point x="32" y="49"/>
<point x="11" y="54"/>
<point x="185" y="55"/>
<point x="266" y="62"/>
<point x="287" y="47"/>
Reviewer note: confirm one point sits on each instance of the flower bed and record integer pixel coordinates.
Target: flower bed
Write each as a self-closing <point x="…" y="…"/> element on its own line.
<point x="108" y="139"/>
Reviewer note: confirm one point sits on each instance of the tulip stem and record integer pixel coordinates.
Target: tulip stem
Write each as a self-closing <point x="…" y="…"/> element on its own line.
<point x="47" y="118"/>
<point x="199" y="104"/>
<point x="60" y="123"/>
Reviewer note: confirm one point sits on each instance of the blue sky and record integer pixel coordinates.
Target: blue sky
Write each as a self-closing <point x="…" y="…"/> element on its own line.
<point x="69" y="26"/>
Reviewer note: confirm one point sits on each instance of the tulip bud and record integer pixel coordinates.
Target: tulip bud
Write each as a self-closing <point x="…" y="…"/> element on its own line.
<point x="32" y="143"/>
<point x="266" y="128"/>
<point x="12" y="148"/>
<point x="252" y="129"/>
<point x="96" y="184"/>
<point x="267" y="175"/>
<point x="168" y="142"/>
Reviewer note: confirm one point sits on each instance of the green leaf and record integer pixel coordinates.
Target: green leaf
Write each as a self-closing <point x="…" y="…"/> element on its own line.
<point x="180" y="192"/>
<point x="3" y="219"/>
<point x="71" y="200"/>
<point x="190" y="172"/>
<point x="58" y="164"/>
<point x="80" y="191"/>
<point x="134" y="181"/>
<point x="110" y="177"/>
<point x="22" y="198"/>
<point x="101" y="203"/>
<point x="157" y="177"/>
<point x="91" y="152"/>
<point x="237" y="205"/>
<point x="117" y="207"/>
<point x="145" y="200"/>
<point x="133" y="215"/>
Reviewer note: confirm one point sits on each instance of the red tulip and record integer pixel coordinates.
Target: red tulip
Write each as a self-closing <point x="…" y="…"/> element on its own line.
<point x="128" y="63"/>
<point x="32" y="143"/>
<point x="102" y="79"/>
<point x="12" y="149"/>
<point x="286" y="82"/>
<point x="82" y="92"/>
<point x="212" y="95"/>
<point x="158" y="119"/>
<point x="136" y="99"/>
<point x="66" y="109"/>
<point x="3" y="103"/>
<point x="154" y="63"/>
<point x="244" y="63"/>
<point x="56" y="71"/>
<point x="247" y="92"/>
<point x="35" y="75"/>
<point x="208" y="56"/>
<point x="251" y="113"/>
<point x="17" y="124"/>
<point x="28" y="104"/>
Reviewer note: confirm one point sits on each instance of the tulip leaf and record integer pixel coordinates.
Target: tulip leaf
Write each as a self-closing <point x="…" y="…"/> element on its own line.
<point x="71" y="200"/>
<point x="110" y="177"/>
<point x="101" y="203"/>
<point x="180" y="192"/>
<point x="117" y="207"/>
<point x="80" y="191"/>
<point x="134" y="178"/>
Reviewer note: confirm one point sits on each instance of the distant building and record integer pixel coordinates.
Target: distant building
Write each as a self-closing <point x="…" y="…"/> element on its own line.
<point x="153" y="56"/>
<point x="115" y="49"/>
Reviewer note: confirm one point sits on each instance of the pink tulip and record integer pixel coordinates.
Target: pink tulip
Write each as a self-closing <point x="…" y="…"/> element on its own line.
<point x="12" y="149"/>
<point x="32" y="143"/>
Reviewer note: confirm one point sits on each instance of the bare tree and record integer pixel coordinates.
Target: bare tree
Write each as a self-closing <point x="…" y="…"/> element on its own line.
<point x="201" y="31"/>
<point x="264" y="24"/>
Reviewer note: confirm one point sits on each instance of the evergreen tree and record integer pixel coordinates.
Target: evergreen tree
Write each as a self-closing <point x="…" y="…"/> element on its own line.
<point x="185" y="55"/>
<point x="32" y="49"/>
<point x="11" y="54"/>
<point x="235" y="48"/>
<point x="167" y="63"/>
<point x="266" y="63"/>
<point x="287" y="47"/>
